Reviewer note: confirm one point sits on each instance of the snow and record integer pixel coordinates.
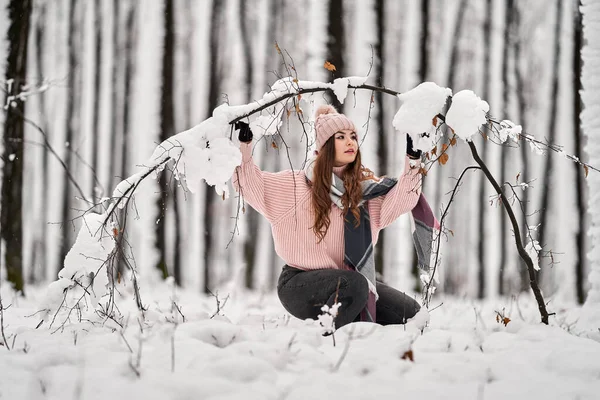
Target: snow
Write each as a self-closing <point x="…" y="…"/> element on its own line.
<point x="533" y="249"/>
<point x="253" y="350"/>
<point x="83" y="279"/>
<point x="415" y="116"/>
<point x="466" y="114"/>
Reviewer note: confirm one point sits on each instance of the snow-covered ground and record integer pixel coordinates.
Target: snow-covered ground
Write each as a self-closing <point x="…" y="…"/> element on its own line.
<point x="254" y="350"/>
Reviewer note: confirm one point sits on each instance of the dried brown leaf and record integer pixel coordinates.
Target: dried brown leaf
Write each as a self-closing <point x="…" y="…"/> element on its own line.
<point x="443" y="159"/>
<point x="329" y="66"/>
<point x="453" y="141"/>
<point x="408" y="355"/>
<point x="434" y="121"/>
<point x="586" y="169"/>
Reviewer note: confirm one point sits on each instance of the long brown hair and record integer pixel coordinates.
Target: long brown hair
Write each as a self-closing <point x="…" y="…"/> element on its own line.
<point x="321" y="186"/>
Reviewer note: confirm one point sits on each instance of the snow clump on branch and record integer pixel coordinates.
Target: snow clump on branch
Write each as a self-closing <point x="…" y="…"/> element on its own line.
<point x="416" y="114"/>
<point x="466" y="114"/>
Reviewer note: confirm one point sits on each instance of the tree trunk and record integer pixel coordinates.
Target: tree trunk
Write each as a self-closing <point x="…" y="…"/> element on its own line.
<point x="424" y="54"/>
<point x="336" y="43"/>
<point x="97" y="91"/>
<point x="382" y="142"/>
<point x="580" y="237"/>
<point x="213" y="100"/>
<point x="589" y="319"/>
<point x="129" y="56"/>
<point x="252" y="217"/>
<point x="548" y="164"/>
<point x="73" y="100"/>
<point x="11" y="219"/>
<point x="487" y="49"/>
<point x="40" y="257"/>
<point x="167" y="129"/>
<point x="505" y="102"/>
<point x="522" y="107"/>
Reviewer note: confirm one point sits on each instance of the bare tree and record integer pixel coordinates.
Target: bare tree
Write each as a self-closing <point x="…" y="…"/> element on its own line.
<point x="11" y="220"/>
<point x="548" y="164"/>
<point x="382" y="134"/>
<point x="336" y="43"/>
<point x="213" y="101"/>
<point x="167" y="129"/>
<point x="580" y="237"/>
<point x="508" y="26"/>
<point x="487" y="50"/>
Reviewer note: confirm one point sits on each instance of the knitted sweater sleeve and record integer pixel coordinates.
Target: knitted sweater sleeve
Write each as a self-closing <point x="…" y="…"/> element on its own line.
<point x="271" y="194"/>
<point x="401" y="199"/>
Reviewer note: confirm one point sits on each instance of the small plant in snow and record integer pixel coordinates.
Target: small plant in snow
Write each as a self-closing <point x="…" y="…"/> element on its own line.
<point x="327" y="319"/>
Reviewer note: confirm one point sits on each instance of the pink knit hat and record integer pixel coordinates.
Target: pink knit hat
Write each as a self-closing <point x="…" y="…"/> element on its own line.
<point x="328" y="122"/>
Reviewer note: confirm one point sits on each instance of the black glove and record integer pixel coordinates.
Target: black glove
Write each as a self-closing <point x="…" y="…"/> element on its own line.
<point x="245" y="135"/>
<point x="412" y="153"/>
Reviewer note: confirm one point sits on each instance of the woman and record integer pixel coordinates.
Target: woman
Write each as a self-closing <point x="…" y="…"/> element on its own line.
<point x="325" y="222"/>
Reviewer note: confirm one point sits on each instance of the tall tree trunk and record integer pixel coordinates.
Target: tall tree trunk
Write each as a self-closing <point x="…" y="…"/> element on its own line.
<point x="252" y="217"/>
<point x="97" y="91"/>
<point x="167" y="129"/>
<point x="424" y="39"/>
<point x="508" y="26"/>
<point x="522" y="107"/>
<point x="382" y="143"/>
<point x="487" y="50"/>
<point x="336" y="43"/>
<point x="39" y="259"/>
<point x="73" y="123"/>
<point x="589" y="319"/>
<point x="213" y="100"/>
<point x="129" y="54"/>
<point x="580" y="237"/>
<point x="11" y="219"/>
<point x="548" y="164"/>
<point x="115" y="100"/>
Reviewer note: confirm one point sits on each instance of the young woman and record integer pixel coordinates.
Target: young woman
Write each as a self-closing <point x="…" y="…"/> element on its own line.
<point x="325" y="222"/>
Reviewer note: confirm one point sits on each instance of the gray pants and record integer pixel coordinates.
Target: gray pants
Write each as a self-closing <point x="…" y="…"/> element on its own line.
<point x="302" y="294"/>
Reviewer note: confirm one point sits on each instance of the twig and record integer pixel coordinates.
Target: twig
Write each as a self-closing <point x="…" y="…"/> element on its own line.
<point x="2" y="322"/>
<point x="517" y="234"/>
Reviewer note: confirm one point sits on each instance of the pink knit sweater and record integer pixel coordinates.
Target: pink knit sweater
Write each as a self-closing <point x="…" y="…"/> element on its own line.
<point x="284" y="199"/>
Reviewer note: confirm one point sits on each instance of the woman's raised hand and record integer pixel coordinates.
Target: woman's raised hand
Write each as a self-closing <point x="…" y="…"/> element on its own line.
<point x="410" y="151"/>
<point x="245" y="134"/>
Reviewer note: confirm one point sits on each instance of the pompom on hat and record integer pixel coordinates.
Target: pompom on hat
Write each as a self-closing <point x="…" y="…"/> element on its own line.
<point x="328" y="122"/>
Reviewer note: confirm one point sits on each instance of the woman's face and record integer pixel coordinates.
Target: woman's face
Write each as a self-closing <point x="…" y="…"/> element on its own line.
<point x="346" y="148"/>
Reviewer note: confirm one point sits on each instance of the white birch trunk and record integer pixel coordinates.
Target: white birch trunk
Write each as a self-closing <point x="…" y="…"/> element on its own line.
<point x="589" y="322"/>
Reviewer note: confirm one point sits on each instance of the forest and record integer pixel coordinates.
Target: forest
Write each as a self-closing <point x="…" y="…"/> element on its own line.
<point x="99" y="84"/>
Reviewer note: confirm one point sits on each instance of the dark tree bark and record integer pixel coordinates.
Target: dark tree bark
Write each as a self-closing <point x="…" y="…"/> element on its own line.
<point x="336" y="43"/>
<point x="508" y="26"/>
<point x="580" y="237"/>
<point x="548" y="164"/>
<point x="487" y="50"/>
<point x="129" y="60"/>
<point x="116" y="103"/>
<point x="424" y="54"/>
<point x="213" y="101"/>
<point x="72" y="124"/>
<point x="252" y="217"/>
<point x="382" y="144"/>
<point x="97" y="90"/>
<point x="11" y="219"/>
<point x="167" y="129"/>
<point x="40" y="257"/>
<point x="522" y="108"/>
